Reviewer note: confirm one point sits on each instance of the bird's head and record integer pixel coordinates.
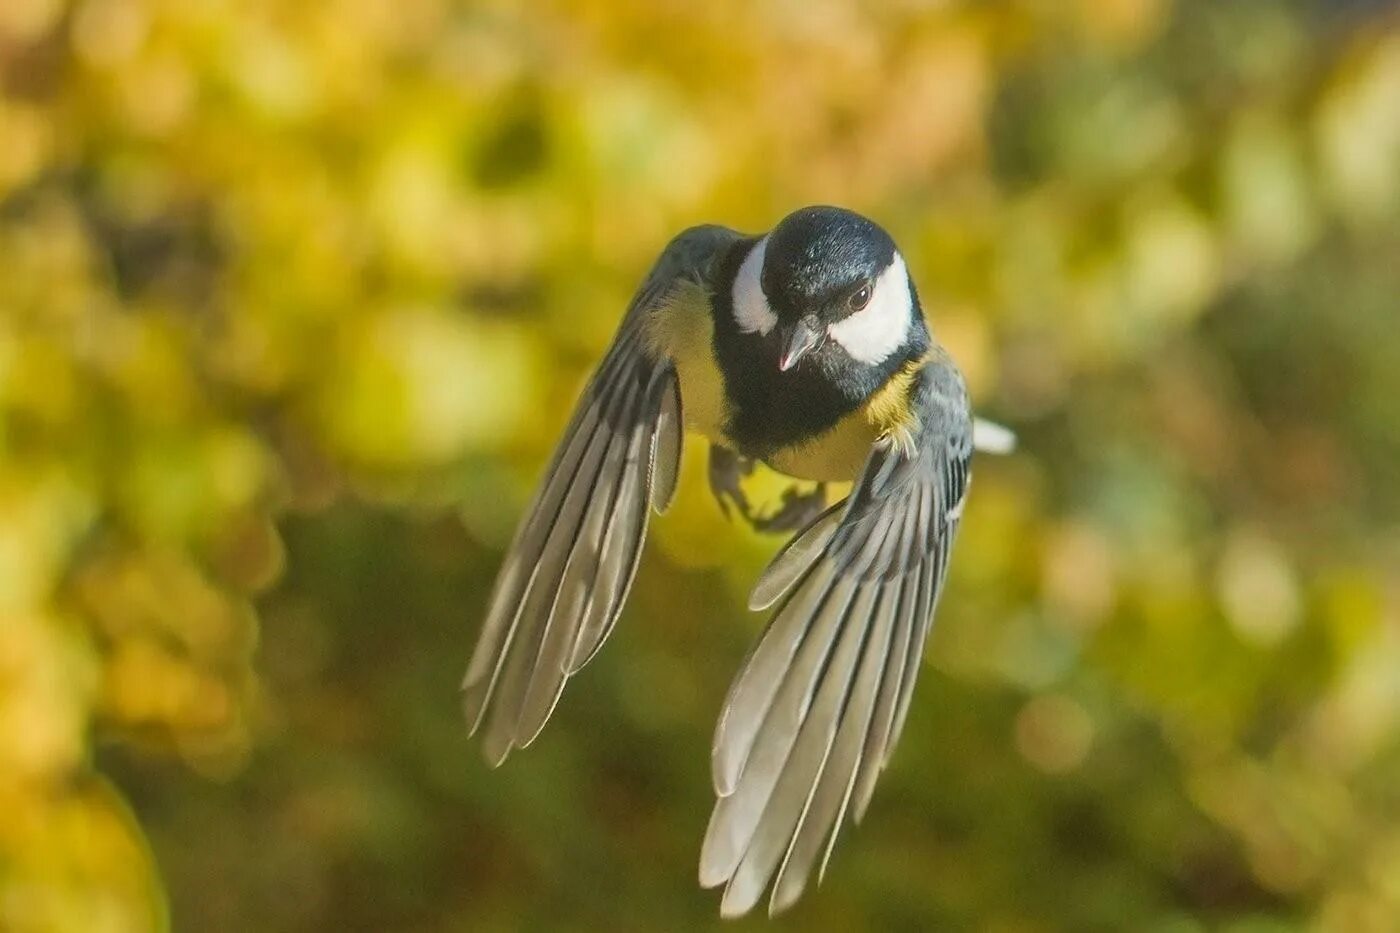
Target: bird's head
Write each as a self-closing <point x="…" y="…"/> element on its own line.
<point x="829" y="289"/>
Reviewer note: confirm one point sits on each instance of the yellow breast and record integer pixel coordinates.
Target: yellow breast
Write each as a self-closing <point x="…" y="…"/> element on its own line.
<point x="836" y="456"/>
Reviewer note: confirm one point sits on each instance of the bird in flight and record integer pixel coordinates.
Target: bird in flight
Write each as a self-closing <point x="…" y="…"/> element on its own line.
<point x="806" y="349"/>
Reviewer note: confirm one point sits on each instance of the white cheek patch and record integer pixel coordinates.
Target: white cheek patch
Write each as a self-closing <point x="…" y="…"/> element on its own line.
<point x="751" y="309"/>
<point x="877" y="330"/>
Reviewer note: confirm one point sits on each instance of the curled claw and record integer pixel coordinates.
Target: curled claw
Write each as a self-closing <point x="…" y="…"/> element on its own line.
<point x="799" y="509"/>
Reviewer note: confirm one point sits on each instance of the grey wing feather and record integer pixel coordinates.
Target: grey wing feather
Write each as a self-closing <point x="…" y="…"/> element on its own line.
<point x="813" y="715"/>
<point x="568" y="571"/>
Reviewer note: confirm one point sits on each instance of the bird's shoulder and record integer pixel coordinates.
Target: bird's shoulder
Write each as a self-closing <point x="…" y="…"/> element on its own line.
<point x="674" y="305"/>
<point x="691" y="258"/>
<point x="674" y="311"/>
<point x="924" y="402"/>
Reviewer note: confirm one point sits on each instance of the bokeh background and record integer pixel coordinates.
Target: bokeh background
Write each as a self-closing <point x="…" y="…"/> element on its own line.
<point x="294" y="298"/>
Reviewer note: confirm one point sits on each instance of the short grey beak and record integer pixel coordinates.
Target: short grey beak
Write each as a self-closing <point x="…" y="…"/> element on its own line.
<point x="803" y="337"/>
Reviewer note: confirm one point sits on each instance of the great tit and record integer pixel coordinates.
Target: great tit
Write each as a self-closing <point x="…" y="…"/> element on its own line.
<point x="806" y="349"/>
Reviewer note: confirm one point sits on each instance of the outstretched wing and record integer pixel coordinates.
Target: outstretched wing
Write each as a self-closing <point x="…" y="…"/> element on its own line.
<point x="569" y="569"/>
<point x="819" y="705"/>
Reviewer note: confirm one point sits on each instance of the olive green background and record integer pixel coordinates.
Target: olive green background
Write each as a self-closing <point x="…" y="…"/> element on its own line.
<point x="294" y="298"/>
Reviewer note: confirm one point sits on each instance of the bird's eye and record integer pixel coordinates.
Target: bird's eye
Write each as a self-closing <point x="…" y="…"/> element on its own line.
<point x="860" y="297"/>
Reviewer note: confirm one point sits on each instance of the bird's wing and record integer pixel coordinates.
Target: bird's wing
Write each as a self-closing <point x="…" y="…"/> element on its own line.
<point x="813" y="716"/>
<point x="568" y="571"/>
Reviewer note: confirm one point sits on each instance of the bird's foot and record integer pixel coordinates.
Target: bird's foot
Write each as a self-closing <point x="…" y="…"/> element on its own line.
<point x="799" y="509"/>
<point x="727" y="472"/>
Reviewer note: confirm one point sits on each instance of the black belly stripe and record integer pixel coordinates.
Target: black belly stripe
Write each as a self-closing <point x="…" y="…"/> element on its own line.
<point x="768" y="414"/>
